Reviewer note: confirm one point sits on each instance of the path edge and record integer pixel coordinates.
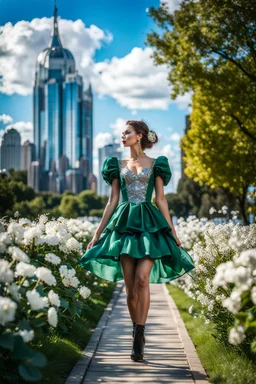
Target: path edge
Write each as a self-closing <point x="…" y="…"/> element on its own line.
<point x="198" y="372"/>
<point x="78" y="372"/>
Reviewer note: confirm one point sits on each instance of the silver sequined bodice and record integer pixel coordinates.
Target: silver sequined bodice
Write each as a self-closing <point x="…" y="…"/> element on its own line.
<point x="136" y="185"/>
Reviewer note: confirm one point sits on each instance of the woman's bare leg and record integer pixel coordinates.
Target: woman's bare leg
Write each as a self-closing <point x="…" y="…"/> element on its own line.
<point x="128" y="265"/>
<point x="142" y="273"/>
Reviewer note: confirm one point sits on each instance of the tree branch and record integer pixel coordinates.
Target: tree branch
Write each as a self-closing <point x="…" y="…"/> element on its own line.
<point x="252" y="77"/>
<point x="243" y="128"/>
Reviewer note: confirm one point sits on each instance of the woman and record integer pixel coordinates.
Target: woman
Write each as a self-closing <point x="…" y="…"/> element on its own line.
<point x="136" y="240"/>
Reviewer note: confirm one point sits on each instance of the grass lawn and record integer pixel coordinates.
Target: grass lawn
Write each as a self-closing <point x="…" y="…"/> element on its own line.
<point x="222" y="363"/>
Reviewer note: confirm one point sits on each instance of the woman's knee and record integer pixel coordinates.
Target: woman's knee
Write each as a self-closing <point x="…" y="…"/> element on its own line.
<point x="141" y="281"/>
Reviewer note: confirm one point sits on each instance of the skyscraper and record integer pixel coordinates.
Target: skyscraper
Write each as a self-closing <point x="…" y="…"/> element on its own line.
<point x="11" y="150"/>
<point x="62" y="118"/>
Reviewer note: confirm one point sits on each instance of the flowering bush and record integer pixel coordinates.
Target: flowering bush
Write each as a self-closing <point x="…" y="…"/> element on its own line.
<point x="39" y="288"/>
<point x="224" y="279"/>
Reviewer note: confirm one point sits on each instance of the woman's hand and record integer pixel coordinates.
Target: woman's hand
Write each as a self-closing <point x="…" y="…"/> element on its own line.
<point x="178" y="241"/>
<point x="93" y="241"/>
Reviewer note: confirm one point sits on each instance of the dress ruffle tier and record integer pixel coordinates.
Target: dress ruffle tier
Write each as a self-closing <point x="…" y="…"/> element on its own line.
<point x="138" y="230"/>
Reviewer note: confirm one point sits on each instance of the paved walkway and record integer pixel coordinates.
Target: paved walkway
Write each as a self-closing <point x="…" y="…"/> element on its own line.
<point x="170" y="355"/>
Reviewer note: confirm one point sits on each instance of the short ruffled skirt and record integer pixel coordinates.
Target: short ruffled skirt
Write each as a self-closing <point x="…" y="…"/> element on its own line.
<point x="137" y="230"/>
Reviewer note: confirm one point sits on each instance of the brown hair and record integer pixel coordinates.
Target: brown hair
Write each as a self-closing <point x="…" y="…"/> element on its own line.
<point x="141" y="127"/>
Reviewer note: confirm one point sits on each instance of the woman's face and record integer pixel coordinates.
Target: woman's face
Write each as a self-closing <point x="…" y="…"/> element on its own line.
<point x="129" y="136"/>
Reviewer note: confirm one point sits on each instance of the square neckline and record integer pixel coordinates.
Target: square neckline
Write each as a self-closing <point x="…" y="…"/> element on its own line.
<point x="141" y="171"/>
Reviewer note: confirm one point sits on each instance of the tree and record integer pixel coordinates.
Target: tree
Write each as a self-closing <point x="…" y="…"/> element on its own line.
<point x="217" y="152"/>
<point x="200" y="38"/>
<point x="7" y="196"/>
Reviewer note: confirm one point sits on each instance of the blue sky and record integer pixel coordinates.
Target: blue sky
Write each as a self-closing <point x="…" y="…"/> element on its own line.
<point x="103" y="36"/>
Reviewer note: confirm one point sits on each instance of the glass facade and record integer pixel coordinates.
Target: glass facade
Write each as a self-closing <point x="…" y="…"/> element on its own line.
<point x="62" y="116"/>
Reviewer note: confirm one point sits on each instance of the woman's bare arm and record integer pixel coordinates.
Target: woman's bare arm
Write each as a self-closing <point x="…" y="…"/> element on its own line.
<point x="110" y="207"/>
<point x="161" y="202"/>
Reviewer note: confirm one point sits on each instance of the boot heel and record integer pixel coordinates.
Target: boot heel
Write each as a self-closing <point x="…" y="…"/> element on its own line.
<point x="138" y="343"/>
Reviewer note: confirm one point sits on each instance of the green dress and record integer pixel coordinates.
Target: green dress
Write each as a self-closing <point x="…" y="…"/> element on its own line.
<point x="137" y="227"/>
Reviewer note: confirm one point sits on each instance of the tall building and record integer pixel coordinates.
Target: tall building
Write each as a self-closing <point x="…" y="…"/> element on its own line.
<point x="62" y="118"/>
<point x="187" y="127"/>
<point x="11" y="150"/>
<point x="27" y="154"/>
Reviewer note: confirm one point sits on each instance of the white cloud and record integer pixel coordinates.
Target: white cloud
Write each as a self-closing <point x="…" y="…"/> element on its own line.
<point x="132" y="80"/>
<point x="173" y="5"/>
<point x="135" y="82"/>
<point x="175" y="136"/>
<point x="6" y="119"/>
<point x="22" y="42"/>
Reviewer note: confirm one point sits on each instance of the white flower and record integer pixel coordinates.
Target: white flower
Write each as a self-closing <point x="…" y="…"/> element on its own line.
<point x="190" y="309"/>
<point x="7" y="310"/>
<point x="253" y="294"/>
<point x="24" y="269"/>
<point x="65" y="272"/>
<point x="70" y="245"/>
<point x="68" y="275"/>
<point x="45" y="275"/>
<point x="32" y="234"/>
<point x="18" y="254"/>
<point x="5" y="238"/>
<point x="233" y="303"/>
<point x="236" y="335"/>
<point x="71" y="281"/>
<point x="52" y="258"/>
<point x="36" y="301"/>
<point x="16" y="231"/>
<point x="6" y="274"/>
<point x="52" y="316"/>
<point x="43" y="219"/>
<point x="54" y="298"/>
<point x="247" y="258"/>
<point x="84" y="292"/>
<point x="26" y="335"/>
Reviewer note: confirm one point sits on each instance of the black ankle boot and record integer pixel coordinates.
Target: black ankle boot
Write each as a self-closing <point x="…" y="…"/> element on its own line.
<point x="138" y="343"/>
<point x="133" y="331"/>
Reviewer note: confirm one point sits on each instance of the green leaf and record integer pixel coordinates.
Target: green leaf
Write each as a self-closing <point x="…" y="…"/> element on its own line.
<point x="40" y="315"/>
<point x="241" y="315"/>
<point x="24" y="324"/>
<point x="64" y="303"/>
<point x="7" y="340"/>
<point x="21" y="350"/>
<point x="29" y="373"/>
<point x="38" y="360"/>
<point x="38" y="322"/>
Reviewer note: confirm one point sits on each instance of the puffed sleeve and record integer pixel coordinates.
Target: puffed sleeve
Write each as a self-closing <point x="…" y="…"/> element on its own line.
<point x="162" y="168"/>
<point x="110" y="169"/>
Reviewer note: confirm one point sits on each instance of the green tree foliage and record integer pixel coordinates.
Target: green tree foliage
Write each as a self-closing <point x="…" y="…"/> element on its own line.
<point x="209" y="46"/>
<point x="195" y="199"/>
<point x="19" y="175"/>
<point x="7" y="196"/>
<point x="217" y="152"/>
<point x="69" y="207"/>
<point x="88" y="200"/>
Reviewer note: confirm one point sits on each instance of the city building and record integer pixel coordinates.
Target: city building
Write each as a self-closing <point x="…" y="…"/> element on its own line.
<point x="62" y="120"/>
<point x="112" y="149"/>
<point x="11" y="150"/>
